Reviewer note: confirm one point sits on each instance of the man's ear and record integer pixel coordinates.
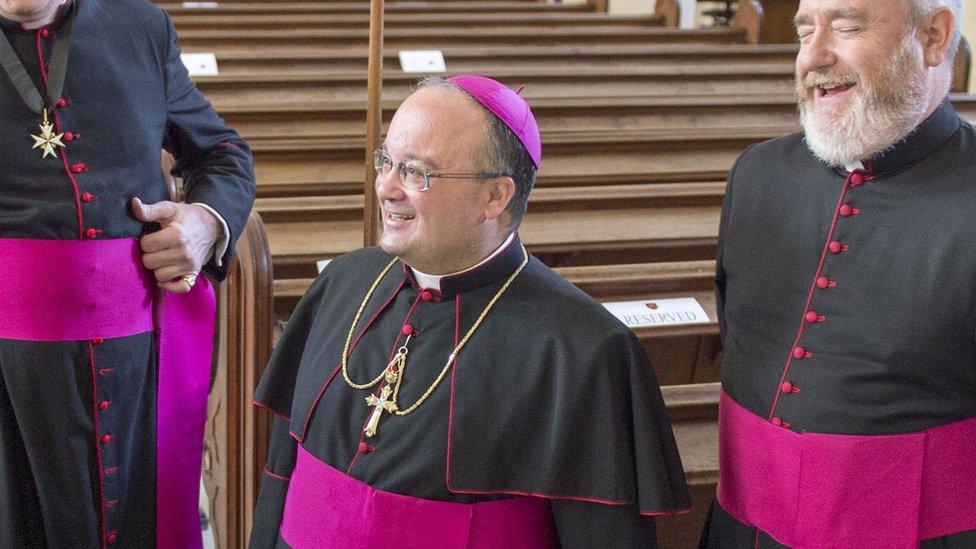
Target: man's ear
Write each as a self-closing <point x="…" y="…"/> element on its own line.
<point x="936" y="34"/>
<point x="500" y="190"/>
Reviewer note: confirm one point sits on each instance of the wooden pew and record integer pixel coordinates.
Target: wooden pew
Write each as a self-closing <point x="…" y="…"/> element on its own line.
<point x="320" y="166"/>
<point x="463" y="59"/>
<point x="299" y="88"/>
<point x="392" y="8"/>
<point x="429" y="22"/>
<point x="394" y="39"/>
<point x="564" y="226"/>
<point x="554" y="114"/>
<point x="677" y="80"/>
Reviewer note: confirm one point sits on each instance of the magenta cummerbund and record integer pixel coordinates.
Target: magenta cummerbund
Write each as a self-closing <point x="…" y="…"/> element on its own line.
<point x="814" y="490"/>
<point x="326" y="508"/>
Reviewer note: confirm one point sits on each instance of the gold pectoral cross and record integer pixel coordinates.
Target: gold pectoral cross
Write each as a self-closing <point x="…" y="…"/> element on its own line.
<point x="380" y="404"/>
<point x="48" y="141"/>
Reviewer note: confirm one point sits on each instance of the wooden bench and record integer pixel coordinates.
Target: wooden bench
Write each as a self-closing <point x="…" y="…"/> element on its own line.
<point x="357" y="39"/>
<point x="429" y="22"/>
<point x="347" y="7"/>
<point x="265" y="123"/>
<point x="464" y="59"/>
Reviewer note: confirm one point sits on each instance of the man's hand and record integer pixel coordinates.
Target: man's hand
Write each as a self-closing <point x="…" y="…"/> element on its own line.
<point x="181" y="246"/>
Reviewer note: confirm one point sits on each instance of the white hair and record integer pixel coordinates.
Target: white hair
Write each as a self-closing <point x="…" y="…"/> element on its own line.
<point x="918" y="9"/>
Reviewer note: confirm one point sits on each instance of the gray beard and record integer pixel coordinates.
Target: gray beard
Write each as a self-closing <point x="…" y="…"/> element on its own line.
<point x="878" y="118"/>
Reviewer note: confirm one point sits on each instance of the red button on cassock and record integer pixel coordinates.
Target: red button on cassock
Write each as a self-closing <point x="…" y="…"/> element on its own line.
<point x="87" y="197"/>
<point x="62" y="102"/>
<point x="776" y="421"/>
<point x="106" y="439"/>
<point x="426" y="295"/>
<point x="835" y="247"/>
<point x="103" y="406"/>
<point x="846" y="210"/>
<point x="812" y="317"/>
<point x="799" y="352"/>
<point x="68" y="136"/>
<point x="44" y="32"/>
<point x="857" y="179"/>
<point x="112" y="536"/>
<point x="92" y="233"/>
<point x="78" y="168"/>
<point x="786" y="387"/>
<point x="98" y="340"/>
<point x="363" y="448"/>
<point x="823" y="282"/>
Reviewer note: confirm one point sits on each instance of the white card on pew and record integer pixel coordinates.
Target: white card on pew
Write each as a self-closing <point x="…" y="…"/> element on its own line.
<point x="321" y="264"/>
<point x="200" y="64"/>
<point x="658" y="312"/>
<point x="422" y="61"/>
<point x="201" y="5"/>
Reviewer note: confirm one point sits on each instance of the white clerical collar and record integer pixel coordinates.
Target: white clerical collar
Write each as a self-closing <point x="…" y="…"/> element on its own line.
<point x="46" y="21"/>
<point x="854" y="166"/>
<point x="433" y="282"/>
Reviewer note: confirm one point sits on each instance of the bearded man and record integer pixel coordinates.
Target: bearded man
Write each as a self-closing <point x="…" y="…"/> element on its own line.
<point x="846" y="281"/>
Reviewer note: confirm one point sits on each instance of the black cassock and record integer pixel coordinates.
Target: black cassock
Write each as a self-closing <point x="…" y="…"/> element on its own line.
<point x="875" y="286"/>
<point x="126" y="97"/>
<point x="551" y="396"/>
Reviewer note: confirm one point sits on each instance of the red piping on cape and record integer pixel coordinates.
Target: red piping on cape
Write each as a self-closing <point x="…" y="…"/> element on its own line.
<point x="813" y="288"/>
<point x="325" y="385"/>
<point x="275" y="475"/>
<point x="516" y="493"/>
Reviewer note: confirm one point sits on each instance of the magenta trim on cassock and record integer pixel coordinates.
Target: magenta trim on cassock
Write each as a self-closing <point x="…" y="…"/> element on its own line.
<point x="813" y="490"/>
<point x="76" y="290"/>
<point x="326" y="508"/>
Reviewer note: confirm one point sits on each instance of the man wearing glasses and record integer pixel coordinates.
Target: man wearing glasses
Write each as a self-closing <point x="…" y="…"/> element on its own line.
<point x="447" y="389"/>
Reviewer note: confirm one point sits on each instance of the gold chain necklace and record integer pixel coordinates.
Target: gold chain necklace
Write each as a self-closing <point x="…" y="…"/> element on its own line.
<point x="393" y="372"/>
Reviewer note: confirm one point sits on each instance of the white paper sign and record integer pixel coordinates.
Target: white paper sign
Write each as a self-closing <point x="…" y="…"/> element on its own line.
<point x="200" y="64"/>
<point x="658" y="312"/>
<point x="321" y="264"/>
<point x="201" y="5"/>
<point x="422" y="61"/>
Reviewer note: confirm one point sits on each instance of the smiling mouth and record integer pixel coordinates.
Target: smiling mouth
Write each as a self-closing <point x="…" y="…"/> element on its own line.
<point x="833" y="89"/>
<point x="399" y="217"/>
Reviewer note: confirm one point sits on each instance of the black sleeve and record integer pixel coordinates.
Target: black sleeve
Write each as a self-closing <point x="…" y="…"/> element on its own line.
<point x="274" y="486"/>
<point x="583" y="525"/>
<point x="723" y="246"/>
<point x="214" y="162"/>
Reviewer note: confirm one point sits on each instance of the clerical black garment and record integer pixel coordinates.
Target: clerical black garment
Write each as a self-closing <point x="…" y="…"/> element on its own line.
<point x="551" y="397"/>
<point x="77" y="418"/>
<point x="847" y="306"/>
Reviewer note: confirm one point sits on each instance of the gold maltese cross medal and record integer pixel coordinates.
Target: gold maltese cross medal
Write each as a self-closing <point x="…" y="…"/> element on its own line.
<point x="48" y="141"/>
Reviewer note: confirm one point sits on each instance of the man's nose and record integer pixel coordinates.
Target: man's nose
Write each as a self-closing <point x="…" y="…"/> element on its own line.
<point x="817" y="53"/>
<point x="388" y="185"/>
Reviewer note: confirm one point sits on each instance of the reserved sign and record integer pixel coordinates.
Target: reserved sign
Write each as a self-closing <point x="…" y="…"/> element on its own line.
<point x="658" y="312"/>
<point x="200" y="64"/>
<point x="422" y="61"/>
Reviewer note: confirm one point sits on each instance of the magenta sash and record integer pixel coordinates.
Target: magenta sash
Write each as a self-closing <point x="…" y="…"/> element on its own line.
<point x="326" y="508"/>
<point x="815" y="490"/>
<point x="75" y="290"/>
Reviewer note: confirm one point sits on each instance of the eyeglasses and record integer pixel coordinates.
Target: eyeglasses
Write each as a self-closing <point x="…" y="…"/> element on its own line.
<point x="418" y="178"/>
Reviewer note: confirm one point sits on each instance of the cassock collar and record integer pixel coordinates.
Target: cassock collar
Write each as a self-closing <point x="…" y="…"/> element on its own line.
<point x="928" y="136"/>
<point x="495" y="269"/>
<point x="60" y="16"/>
